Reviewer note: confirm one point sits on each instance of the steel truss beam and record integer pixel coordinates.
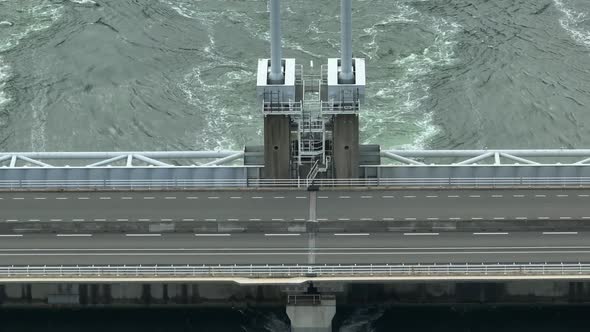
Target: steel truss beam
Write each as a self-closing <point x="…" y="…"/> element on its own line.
<point x="126" y="159"/>
<point x="488" y="157"/>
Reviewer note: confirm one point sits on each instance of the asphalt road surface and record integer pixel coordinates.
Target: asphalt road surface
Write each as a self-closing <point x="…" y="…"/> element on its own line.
<point x="335" y="248"/>
<point x="243" y="206"/>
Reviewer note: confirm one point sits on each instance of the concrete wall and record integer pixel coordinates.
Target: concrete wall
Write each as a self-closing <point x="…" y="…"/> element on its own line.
<point x="277" y="133"/>
<point x="346" y="146"/>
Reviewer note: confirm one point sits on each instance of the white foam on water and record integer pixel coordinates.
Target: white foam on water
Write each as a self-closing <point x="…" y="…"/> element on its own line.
<point x="4" y="73"/>
<point x="84" y="2"/>
<point x="39" y="120"/>
<point x="571" y="22"/>
<point x="42" y="14"/>
<point x="407" y="93"/>
<point x="210" y="98"/>
<point x="361" y="320"/>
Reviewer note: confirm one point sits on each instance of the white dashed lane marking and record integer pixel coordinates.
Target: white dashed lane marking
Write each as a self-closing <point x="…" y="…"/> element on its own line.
<point x="560" y="233"/>
<point x="496" y="233"/>
<point x="282" y="234"/>
<point x="213" y="235"/>
<point x="421" y="234"/>
<point x="351" y="234"/>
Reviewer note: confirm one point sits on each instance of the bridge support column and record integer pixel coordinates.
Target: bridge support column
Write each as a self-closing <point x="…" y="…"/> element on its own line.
<point x="346" y="146"/>
<point x="311" y="313"/>
<point x="276" y="147"/>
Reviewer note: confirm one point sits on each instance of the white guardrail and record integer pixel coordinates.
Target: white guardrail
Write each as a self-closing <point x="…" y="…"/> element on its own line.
<point x="497" y="182"/>
<point x="292" y="271"/>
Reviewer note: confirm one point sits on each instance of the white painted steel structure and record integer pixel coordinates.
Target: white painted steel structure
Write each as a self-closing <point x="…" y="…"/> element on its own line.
<point x="276" y="67"/>
<point x="201" y="169"/>
<point x="346" y="73"/>
<point x="301" y="272"/>
<point x="125" y="159"/>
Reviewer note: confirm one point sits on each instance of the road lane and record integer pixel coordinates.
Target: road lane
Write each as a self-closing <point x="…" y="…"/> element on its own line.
<point x="153" y="206"/>
<point x="456" y="205"/>
<point x="289" y="206"/>
<point x="378" y="248"/>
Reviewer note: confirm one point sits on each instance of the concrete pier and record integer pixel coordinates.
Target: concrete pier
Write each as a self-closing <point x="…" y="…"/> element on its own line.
<point x="276" y="147"/>
<point x="346" y="146"/>
<point x="311" y="313"/>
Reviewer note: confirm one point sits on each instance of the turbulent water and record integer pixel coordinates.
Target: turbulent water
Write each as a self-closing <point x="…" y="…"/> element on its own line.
<point x="179" y="74"/>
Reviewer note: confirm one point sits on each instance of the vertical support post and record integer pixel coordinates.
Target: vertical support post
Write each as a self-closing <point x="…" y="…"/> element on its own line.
<point x="346" y="74"/>
<point x="311" y="313"/>
<point x="276" y="67"/>
<point x="277" y="152"/>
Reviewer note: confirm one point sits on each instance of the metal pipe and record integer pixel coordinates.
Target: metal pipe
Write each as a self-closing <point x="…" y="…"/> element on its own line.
<point x="105" y="155"/>
<point x="399" y="158"/>
<point x="225" y="160"/>
<point x="276" y="67"/>
<point x="346" y="74"/>
<point x="473" y="153"/>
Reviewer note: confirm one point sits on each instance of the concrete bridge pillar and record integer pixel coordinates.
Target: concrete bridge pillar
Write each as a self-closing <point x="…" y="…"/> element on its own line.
<point x="277" y="151"/>
<point x="311" y="313"/>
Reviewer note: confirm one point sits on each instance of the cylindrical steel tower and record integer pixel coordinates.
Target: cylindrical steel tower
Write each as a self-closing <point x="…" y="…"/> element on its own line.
<point x="276" y="70"/>
<point x="346" y="74"/>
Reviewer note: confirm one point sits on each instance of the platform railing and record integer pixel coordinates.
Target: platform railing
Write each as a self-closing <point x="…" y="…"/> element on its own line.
<point x="416" y="183"/>
<point x="292" y="271"/>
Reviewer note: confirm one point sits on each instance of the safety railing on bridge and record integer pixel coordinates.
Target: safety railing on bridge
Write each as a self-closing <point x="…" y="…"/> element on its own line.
<point x="180" y="184"/>
<point x="292" y="271"/>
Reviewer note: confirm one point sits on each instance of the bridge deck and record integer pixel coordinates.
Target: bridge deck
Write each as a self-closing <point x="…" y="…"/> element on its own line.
<point x="368" y="248"/>
<point x="278" y="206"/>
